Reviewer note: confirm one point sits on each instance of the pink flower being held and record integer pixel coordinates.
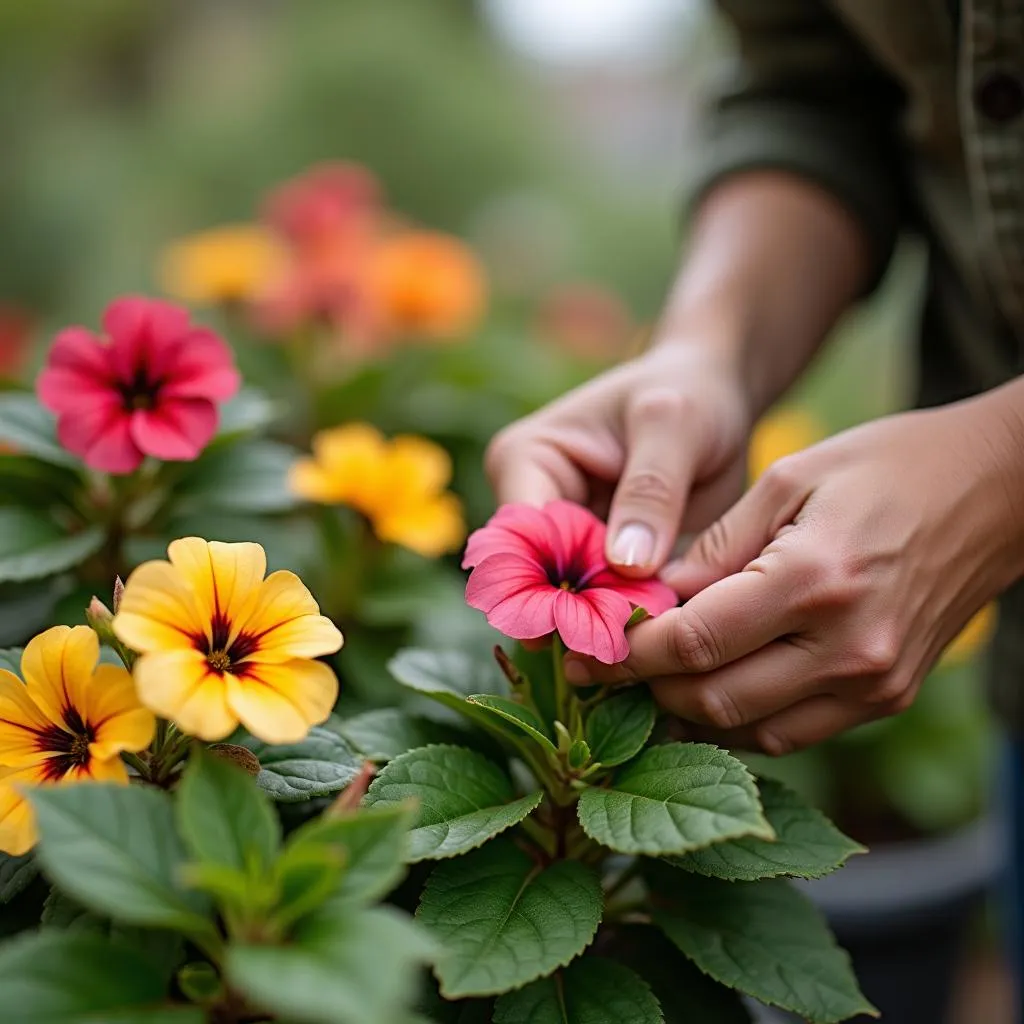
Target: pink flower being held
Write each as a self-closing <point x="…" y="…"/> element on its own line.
<point x="150" y="386"/>
<point x="540" y="571"/>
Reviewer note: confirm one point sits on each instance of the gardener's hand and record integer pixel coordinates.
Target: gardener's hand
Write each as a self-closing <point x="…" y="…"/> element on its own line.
<point x="657" y="444"/>
<point x="825" y="595"/>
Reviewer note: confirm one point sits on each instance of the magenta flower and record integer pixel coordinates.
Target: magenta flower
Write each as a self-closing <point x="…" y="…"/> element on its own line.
<point x="151" y="386"/>
<point x="538" y="571"/>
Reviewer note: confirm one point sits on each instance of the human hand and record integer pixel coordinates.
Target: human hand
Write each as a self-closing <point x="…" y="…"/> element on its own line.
<point x="821" y="600"/>
<point x="657" y="445"/>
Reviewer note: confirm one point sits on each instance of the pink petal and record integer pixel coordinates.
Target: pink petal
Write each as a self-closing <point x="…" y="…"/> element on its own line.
<point x="593" y="622"/>
<point x="177" y="429"/>
<point x="200" y="367"/>
<point x="653" y="596"/>
<point x="580" y="535"/>
<point x="517" y="528"/>
<point x="515" y="594"/>
<point x="141" y="331"/>
<point x="77" y="367"/>
<point x="99" y="435"/>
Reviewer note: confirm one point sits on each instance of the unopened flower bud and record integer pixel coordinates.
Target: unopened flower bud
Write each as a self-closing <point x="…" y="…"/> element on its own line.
<point x="118" y="593"/>
<point x="352" y="795"/>
<point x="240" y="756"/>
<point x="100" y="617"/>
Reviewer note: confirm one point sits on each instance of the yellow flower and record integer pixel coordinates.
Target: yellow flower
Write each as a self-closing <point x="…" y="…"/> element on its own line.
<point x="399" y="485"/>
<point x="228" y="264"/>
<point x="781" y="433"/>
<point x="220" y="644"/>
<point x="973" y="638"/>
<point x="68" y="722"/>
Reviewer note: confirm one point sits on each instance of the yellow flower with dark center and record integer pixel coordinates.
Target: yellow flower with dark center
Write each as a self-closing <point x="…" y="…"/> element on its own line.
<point x="781" y="433"/>
<point x="228" y="264"/>
<point x="68" y="722"/>
<point x="399" y="485"/>
<point x="220" y="645"/>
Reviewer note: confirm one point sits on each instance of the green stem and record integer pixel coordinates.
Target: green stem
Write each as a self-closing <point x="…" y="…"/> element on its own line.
<point x="138" y="764"/>
<point x="562" y="696"/>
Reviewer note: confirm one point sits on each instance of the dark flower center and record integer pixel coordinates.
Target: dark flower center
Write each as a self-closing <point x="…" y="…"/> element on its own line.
<point x="572" y="576"/>
<point x="221" y="655"/>
<point x="140" y="392"/>
<point x="67" y="747"/>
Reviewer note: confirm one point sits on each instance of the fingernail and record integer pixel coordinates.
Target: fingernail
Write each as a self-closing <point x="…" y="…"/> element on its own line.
<point x="576" y="672"/>
<point x="634" y="545"/>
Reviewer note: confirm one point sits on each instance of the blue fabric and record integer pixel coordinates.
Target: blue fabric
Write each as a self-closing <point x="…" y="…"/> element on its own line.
<point x="1014" y="907"/>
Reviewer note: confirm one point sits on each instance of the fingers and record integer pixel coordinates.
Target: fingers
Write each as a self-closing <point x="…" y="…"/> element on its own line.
<point x="741" y="534"/>
<point x="725" y="622"/>
<point x="802" y="725"/>
<point x="660" y="466"/>
<point x="525" y="471"/>
<point x="763" y="684"/>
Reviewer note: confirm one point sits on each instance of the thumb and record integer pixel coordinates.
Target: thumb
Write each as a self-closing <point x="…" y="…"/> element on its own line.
<point x="737" y="537"/>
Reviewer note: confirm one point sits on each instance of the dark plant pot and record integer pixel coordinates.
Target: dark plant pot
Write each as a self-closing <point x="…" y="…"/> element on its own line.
<point x="903" y="912"/>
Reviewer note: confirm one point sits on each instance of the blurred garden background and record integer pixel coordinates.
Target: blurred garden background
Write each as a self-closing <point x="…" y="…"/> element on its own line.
<point x="518" y="171"/>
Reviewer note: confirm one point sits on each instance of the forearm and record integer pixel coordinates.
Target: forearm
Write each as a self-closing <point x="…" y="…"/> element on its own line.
<point x="773" y="262"/>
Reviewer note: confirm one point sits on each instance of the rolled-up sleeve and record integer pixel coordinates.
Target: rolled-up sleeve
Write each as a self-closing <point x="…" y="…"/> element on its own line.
<point x="802" y="95"/>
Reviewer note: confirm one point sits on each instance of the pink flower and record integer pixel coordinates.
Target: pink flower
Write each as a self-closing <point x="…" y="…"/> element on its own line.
<point x="149" y="387"/>
<point x="536" y="571"/>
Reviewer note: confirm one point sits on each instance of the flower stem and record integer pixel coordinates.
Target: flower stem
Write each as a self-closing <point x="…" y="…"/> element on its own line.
<point x="562" y="696"/>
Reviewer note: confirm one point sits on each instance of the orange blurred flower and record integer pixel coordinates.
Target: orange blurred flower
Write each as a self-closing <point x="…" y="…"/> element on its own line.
<point x="427" y="284"/>
<point x="586" y="320"/>
<point x="780" y="433"/>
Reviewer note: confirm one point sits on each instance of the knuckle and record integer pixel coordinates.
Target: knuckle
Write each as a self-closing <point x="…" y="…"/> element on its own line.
<point x="712" y="546"/>
<point x="648" y="487"/>
<point x="889" y="690"/>
<point x="877" y="656"/>
<point x="783" y="476"/>
<point x="712" y="705"/>
<point x="693" y="645"/>
<point x="658" y="405"/>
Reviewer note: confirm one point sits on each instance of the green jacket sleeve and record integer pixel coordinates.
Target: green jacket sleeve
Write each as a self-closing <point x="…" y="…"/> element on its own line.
<point x="804" y="97"/>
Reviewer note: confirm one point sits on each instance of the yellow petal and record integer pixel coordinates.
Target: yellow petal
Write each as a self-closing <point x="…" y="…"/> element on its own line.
<point x="973" y="638"/>
<point x="286" y="621"/>
<point x="158" y="612"/>
<point x="57" y="666"/>
<point x="780" y="433"/>
<point x="180" y="686"/>
<point x="111" y="769"/>
<point x="279" y="703"/>
<point x="431" y="529"/>
<point x="17" y="822"/>
<point x="223" y="577"/>
<point x="418" y="467"/>
<point x="350" y="460"/>
<point x="118" y="720"/>
<point x="309" y="480"/>
<point x="21" y="723"/>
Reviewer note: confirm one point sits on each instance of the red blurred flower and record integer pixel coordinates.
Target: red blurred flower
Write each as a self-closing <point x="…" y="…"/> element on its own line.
<point x="15" y="336"/>
<point x="537" y="571"/>
<point x="587" y="320"/>
<point x="330" y="218"/>
<point x="151" y="386"/>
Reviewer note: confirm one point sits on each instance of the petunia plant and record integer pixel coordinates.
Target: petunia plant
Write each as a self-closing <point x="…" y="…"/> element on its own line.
<point x="145" y="784"/>
<point x="574" y="863"/>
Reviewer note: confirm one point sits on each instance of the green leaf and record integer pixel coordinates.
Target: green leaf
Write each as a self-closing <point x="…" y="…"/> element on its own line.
<point x="114" y="849"/>
<point x="618" y="727"/>
<point x="247" y="477"/>
<point x="806" y="844"/>
<point x="579" y="755"/>
<point x="249" y="412"/>
<point x="32" y="430"/>
<point x="590" y="990"/>
<point x="521" y="717"/>
<point x="223" y="817"/>
<point x="503" y="921"/>
<point x="373" y="841"/>
<point x="161" y="948"/>
<point x="686" y="995"/>
<point x="384" y="733"/>
<point x="16" y="874"/>
<point x="672" y="799"/>
<point x="10" y="659"/>
<point x="80" y="978"/>
<point x="464" y="799"/>
<point x="763" y="938"/>
<point x="307" y="876"/>
<point x="29" y="481"/>
<point x="319" y="765"/>
<point x="33" y="546"/>
<point x="352" y="968"/>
